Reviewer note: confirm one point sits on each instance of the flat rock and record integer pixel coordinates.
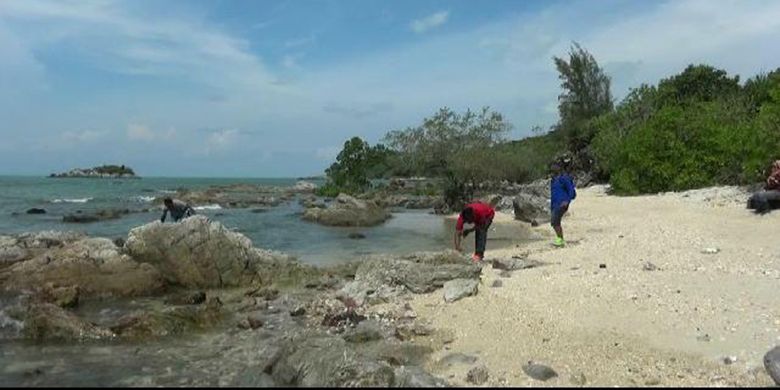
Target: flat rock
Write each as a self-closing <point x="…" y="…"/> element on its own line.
<point x="346" y="210"/>
<point x="456" y="358"/>
<point x="539" y="371"/>
<point x="513" y="264"/>
<point x="459" y="288"/>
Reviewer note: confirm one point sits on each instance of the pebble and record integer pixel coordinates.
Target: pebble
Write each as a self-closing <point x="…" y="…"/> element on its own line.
<point x="602" y="266"/>
<point x="729" y="360"/>
<point x="539" y="371"/>
<point x="648" y="266"/>
<point x="710" y="251"/>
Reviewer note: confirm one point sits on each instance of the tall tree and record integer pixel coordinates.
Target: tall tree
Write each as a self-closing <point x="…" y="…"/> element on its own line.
<point x="586" y="95"/>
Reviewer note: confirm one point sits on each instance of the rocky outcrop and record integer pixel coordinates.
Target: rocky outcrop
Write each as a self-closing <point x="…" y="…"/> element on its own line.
<point x="199" y="253"/>
<point x="303" y="186"/>
<point x="169" y="321"/>
<point x="380" y="278"/>
<point x="234" y="196"/>
<point x="532" y="202"/>
<point x="105" y="171"/>
<point x="772" y="364"/>
<point x="95" y="265"/>
<point x="348" y="211"/>
<point x="100" y="215"/>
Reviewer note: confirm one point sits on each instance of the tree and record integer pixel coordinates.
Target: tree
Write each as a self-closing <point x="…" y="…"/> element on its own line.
<point x="452" y="146"/>
<point x="586" y="95"/>
<point x="349" y="172"/>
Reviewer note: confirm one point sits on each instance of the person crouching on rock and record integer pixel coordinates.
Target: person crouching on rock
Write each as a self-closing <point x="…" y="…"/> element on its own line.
<point x="562" y="192"/>
<point x="481" y="215"/>
<point x="177" y="208"/>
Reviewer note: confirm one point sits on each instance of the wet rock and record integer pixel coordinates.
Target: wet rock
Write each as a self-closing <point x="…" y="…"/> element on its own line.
<point x="497" y="283"/>
<point x="101" y="215"/>
<point x="327" y="361"/>
<point x="46" y="321"/>
<point x="772" y="364"/>
<point x="169" y="321"/>
<point x="348" y="211"/>
<point x="365" y="331"/>
<point x="539" y="371"/>
<point x="187" y="298"/>
<point x="648" y="266"/>
<point x="35" y="211"/>
<point x="513" y="264"/>
<point x="459" y="288"/>
<point x="416" y="377"/>
<point x="95" y="265"/>
<point x="198" y="253"/>
<point x="477" y="375"/>
<point x="356" y="236"/>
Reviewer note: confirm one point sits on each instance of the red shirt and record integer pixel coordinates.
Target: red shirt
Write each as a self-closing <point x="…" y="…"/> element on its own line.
<point x="483" y="214"/>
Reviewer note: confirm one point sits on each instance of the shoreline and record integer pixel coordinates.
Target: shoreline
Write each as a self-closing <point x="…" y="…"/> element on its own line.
<point x="624" y="325"/>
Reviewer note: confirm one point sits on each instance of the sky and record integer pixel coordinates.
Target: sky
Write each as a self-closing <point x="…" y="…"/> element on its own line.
<point x="273" y="88"/>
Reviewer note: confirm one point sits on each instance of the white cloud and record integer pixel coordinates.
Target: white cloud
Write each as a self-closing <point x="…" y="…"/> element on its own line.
<point x="82" y="136"/>
<point x="422" y="25"/>
<point x="138" y="132"/>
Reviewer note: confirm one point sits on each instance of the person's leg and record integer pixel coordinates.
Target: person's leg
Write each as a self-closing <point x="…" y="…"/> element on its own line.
<point x="555" y="221"/>
<point x="480" y="240"/>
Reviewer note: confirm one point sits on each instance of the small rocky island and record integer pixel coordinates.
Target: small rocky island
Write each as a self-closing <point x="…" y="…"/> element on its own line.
<point x="103" y="171"/>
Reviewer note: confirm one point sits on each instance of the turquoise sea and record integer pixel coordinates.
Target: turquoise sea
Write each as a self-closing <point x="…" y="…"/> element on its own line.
<point x="280" y="228"/>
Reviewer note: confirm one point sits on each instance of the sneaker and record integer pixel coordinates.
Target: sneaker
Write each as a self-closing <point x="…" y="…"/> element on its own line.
<point x="559" y="242"/>
<point x="475" y="258"/>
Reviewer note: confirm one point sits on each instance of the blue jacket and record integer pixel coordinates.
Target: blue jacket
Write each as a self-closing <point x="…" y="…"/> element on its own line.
<point x="561" y="190"/>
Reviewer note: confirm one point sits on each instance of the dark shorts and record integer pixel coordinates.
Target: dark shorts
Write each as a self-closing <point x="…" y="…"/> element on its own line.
<point x="557" y="215"/>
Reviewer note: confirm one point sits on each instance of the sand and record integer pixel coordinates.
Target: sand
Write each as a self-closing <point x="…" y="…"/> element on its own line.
<point x="596" y="316"/>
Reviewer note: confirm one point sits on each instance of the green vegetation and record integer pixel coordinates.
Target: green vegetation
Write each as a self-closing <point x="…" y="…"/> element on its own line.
<point x="698" y="128"/>
<point x="114" y="170"/>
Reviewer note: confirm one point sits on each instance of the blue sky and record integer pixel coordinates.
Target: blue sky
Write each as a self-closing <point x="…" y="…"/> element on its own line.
<point x="274" y="88"/>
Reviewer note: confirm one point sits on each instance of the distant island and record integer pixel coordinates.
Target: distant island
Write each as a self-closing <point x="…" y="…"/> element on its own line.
<point x="104" y="171"/>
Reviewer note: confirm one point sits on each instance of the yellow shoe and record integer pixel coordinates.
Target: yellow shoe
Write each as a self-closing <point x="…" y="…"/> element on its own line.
<point x="559" y="242"/>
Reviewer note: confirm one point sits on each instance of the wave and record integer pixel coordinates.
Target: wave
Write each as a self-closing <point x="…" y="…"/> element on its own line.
<point x="76" y="200"/>
<point x="144" y="198"/>
<point x="208" y="207"/>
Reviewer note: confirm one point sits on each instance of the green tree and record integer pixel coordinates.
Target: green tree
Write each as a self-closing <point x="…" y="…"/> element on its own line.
<point x="586" y="95"/>
<point x="349" y="172"/>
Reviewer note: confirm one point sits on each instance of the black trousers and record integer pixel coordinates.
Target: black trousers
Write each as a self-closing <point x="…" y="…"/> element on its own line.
<point x="480" y="238"/>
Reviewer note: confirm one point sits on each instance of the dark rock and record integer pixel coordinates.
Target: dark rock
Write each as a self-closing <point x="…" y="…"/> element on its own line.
<point x="343" y="318"/>
<point x="119" y="242"/>
<point x="101" y="215"/>
<point x="497" y="283"/>
<point x="602" y="266"/>
<point x="477" y="375"/>
<point x="255" y="321"/>
<point x="36" y="211"/>
<point x="648" y="266"/>
<point x="298" y="311"/>
<point x="539" y="371"/>
<point x="772" y="364"/>
<point x="534" y="223"/>
<point x="257" y="211"/>
<point x="459" y="288"/>
<point x="356" y="236"/>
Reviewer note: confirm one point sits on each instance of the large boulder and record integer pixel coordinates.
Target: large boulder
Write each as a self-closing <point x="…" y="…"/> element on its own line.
<point x="304" y="186"/>
<point x="381" y="277"/>
<point x="198" y="253"/>
<point x="348" y="211"/>
<point x="459" y="288"/>
<point x="95" y="265"/>
<point x="530" y="207"/>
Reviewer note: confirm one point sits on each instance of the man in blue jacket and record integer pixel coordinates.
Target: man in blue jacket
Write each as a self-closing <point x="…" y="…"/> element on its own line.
<point x="562" y="192"/>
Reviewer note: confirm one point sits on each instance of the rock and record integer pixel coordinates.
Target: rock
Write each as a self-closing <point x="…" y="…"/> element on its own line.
<point x="169" y="321"/>
<point x="298" y="311"/>
<point x="105" y="171"/>
<point x="46" y="321"/>
<point x="382" y="277"/>
<point x="416" y="377"/>
<point x="408" y="330"/>
<point x="187" y="298"/>
<point x="710" y="251"/>
<point x="648" y="266"/>
<point x="348" y="211"/>
<point x="365" y="331"/>
<point x="505" y="274"/>
<point x="356" y="236"/>
<point x="704" y="338"/>
<point x="36" y="211"/>
<point x="11" y="251"/>
<point x="729" y="360"/>
<point x="602" y="266"/>
<point x="258" y="211"/>
<point x="539" y="371"/>
<point x="459" y="288"/>
<point x="327" y="361"/>
<point x="255" y="321"/>
<point x="101" y="215"/>
<point x="95" y="265"/>
<point x="344" y="318"/>
<point x="477" y="375"/>
<point x="119" y="242"/>
<point x="198" y="253"/>
<point x="532" y="202"/>
<point x="772" y="364"/>
<point x="512" y="264"/>
<point x="65" y="297"/>
<point x="497" y="283"/>
<point x="304" y="186"/>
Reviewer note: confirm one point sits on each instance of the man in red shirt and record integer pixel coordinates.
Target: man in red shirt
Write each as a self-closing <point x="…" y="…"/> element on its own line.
<point x="481" y="215"/>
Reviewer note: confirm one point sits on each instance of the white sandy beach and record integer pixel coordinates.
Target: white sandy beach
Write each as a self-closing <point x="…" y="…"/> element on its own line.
<point x="621" y="324"/>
